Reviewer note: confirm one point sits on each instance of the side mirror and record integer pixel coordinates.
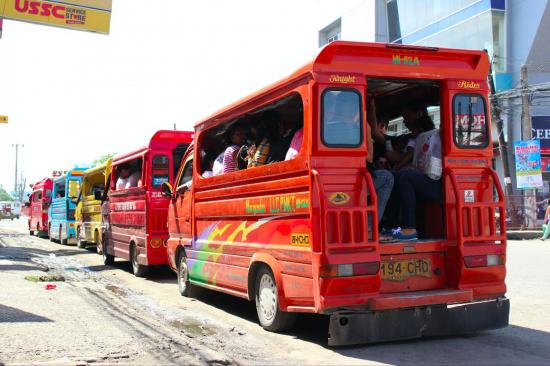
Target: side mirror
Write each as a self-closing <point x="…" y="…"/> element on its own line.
<point x="167" y="190"/>
<point x="98" y="195"/>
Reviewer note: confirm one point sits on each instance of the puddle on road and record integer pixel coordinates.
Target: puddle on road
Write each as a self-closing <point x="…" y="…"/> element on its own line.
<point x="194" y="329"/>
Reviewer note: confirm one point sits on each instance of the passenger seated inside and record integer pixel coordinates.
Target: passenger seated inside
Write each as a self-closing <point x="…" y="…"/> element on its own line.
<point x="295" y="144"/>
<point x="126" y="179"/>
<point x="267" y="145"/>
<point x="342" y="126"/>
<point x="207" y="163"/>
<point x="234" y="138"/>
<point x="421" y="179"/>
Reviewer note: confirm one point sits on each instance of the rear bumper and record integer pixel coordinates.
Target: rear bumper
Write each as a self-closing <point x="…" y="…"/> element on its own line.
<point x="348" y="328"/>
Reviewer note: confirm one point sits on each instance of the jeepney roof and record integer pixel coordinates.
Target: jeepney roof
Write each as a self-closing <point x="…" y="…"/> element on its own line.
<point x="98" y="168"/>
<point x="373" y="60"/>
<point x="159" y="141"/>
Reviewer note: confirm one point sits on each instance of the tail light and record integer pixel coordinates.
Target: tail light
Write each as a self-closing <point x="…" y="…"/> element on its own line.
<point x="155" y="243"/>
<point x="488" y="260"/>
<point x="350" y="270"/>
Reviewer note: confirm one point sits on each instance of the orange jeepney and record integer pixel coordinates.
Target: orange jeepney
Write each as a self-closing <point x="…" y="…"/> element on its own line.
<point x="301" y="234"/>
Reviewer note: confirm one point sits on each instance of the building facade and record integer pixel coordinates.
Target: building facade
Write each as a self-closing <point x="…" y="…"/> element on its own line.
<point x="513" y="33"/>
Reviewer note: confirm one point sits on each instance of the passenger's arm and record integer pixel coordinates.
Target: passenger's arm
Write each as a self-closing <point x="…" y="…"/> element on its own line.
<point x="376" y="134"/>
<point x="406" y="159"/>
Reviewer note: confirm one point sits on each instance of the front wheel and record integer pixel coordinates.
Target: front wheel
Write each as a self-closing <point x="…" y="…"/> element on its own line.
<point x="138" y="269"/>
<point x="184" y="286"/>
<point x="267" y="304"/>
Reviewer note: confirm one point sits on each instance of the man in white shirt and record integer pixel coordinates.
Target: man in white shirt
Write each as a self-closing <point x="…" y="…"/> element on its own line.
<point x="126" y="180"/>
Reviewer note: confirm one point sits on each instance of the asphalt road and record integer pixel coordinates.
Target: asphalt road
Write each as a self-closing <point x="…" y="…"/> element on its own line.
<point x="104" y="315"/>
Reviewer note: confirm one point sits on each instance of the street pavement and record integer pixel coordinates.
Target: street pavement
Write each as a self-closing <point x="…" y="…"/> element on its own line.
<point x="104" y="315"/>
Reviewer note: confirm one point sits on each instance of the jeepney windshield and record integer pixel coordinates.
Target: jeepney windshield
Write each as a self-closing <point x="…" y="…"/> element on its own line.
<point x="341" y="124"/>
<point x="74" y="188"/>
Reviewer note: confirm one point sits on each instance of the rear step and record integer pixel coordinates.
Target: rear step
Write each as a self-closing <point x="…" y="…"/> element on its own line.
<point x="419" y="298"/>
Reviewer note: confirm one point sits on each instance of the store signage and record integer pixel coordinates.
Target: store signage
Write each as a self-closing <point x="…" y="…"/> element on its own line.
<point x="541" y="131"/>
<point x="528" y="164"/>
<point x="88" y="15"/>
<point x="545" y="164"/>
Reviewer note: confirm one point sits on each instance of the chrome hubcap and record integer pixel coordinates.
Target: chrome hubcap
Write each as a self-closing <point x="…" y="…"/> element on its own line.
<point x="268" y="297"/>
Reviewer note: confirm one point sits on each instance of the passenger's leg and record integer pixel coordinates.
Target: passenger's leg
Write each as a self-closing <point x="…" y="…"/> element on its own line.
<point x="410" y="184"/>
<point x="392" y="210"/>
<point x="383" y="185"/>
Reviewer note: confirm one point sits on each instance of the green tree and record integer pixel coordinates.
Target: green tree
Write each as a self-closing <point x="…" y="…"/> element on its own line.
<point x="4" y="196"/>
<point x="102" y="159"/>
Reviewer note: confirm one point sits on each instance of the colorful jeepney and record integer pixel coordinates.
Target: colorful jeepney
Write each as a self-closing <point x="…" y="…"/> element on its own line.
<point x="136" y="211"/>
<point x="61" y="222"/>
<point x="88" y="208"/>
<point x="38" y="205"/>
<point x="300" y="235"/>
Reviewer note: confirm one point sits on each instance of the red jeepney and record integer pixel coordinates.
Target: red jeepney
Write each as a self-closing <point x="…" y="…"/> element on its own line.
<point x="39" y="202"/>
<point x="300" y="234"/>
<point x="135" y="211"/>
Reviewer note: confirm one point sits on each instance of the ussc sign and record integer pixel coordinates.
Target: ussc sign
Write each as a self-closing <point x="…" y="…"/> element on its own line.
<point x="88" y="15"/>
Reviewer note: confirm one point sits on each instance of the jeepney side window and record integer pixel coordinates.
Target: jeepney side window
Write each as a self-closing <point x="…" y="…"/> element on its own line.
<point x="161" y="170"/>
<point x="187" y="174"/>
<point x="74" y="188"/>
<point x="470" y="121"/>
<point x="37" y="196"/>
<point x="341" y="118"/>
<point x="59" y="189"/>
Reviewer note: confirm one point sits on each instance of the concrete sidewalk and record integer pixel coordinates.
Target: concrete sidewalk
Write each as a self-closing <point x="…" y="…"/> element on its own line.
<point x="523" y="234"/>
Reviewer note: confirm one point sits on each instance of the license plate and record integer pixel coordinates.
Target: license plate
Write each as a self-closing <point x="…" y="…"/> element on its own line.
<point x="400" y="270"/>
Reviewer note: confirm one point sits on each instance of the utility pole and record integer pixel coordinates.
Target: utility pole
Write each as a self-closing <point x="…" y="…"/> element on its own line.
<point x="530" y="200"/>
<point x="502" y="147"/>
<point x="16" y="163"/>
<point x="174" y="126"/>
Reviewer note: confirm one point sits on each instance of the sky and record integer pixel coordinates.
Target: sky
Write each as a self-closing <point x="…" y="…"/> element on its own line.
<point x="74" y="96"/>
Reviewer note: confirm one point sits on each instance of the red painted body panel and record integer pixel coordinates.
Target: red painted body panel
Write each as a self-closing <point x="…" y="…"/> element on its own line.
<point x="138" y="215"/>
<point x="264" y="215"/>
<point x="38" y="209"/>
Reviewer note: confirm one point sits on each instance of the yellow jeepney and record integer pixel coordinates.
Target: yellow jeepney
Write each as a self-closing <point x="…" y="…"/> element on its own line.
<point x="88" y="209"/>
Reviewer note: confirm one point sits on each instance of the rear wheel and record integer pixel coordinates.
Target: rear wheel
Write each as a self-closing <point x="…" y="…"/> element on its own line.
<point x="61" y="240"/>
<point x="138" y="269"/>
<point x="267" y="304"/>
<point x="108" y="259"/>
<point x="79" y="242"/>
<point x="49" y="233"/>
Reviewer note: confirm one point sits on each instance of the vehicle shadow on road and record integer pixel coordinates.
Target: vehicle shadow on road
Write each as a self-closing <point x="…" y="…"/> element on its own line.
<point x="14" y="315"/>
<point x="506" y="346"/>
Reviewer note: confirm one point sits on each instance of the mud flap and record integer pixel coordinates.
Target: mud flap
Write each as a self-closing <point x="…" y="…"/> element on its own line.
<point x="349" y="328"/>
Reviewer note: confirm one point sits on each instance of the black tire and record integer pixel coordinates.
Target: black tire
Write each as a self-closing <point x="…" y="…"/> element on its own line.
<point x="99" y="243"/>
<point x="62" y="241"/>
<point x="49" y="233"/>
<point x="108" y="259"/>
<point x="139" y="270"/>
<point x="79" y="242"/>
<point x="271" y="318"/>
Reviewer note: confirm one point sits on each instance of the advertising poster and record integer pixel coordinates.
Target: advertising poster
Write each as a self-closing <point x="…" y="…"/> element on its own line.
<point x="541" y="131"/>
<point x="528" y="164"/>
<point x="87" y="15"/>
